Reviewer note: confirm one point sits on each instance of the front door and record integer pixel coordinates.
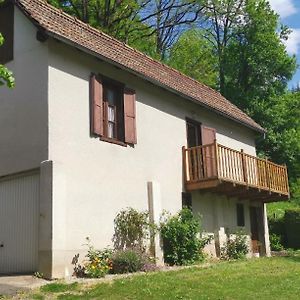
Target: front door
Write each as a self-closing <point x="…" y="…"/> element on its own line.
<point x="254" y="214"/>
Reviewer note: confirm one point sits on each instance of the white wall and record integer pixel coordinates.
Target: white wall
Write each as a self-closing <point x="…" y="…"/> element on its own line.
<point x="23" y="110"/>
<point x="219" y="218"/>
<point x="93" y="180"/>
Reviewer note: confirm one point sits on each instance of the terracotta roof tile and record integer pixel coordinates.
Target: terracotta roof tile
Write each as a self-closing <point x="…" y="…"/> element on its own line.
<point x="62" y="26"/>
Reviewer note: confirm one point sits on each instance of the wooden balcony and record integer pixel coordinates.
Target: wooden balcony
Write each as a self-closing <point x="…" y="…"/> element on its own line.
<point x="219" y="169"/>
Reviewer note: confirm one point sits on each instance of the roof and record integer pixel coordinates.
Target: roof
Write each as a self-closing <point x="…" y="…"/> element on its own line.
<point x="72" y="31"/>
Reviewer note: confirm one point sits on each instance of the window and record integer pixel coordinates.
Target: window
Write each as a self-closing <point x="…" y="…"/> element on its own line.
<point x="193" y="133"/>
<point x="240" y="214"/>
<point x="113" y="114"/>
<point x="113" y="111"/>
<point x="7" y="30"/>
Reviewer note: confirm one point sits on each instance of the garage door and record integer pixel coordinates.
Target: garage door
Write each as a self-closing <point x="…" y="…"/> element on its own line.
<point x="19" y="216"/>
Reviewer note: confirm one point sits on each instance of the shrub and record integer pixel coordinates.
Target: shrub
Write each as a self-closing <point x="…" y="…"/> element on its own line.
<point x="277" y="227"/>
<point x="235" y="248"/>
<point x="132" y="228"/>
<point x="98" y="263"/>
<point x="275" y="242"/>
<point x="128" y="261"/>
<point x="180" y="238"/>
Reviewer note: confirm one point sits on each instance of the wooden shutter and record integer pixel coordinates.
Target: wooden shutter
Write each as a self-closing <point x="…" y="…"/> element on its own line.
<point x="208" y="136"/>
<point x="97" y="105"/>
<point x="129" y="116"/>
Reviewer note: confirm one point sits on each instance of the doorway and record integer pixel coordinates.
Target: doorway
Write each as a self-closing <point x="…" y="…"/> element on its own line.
<point x="255" y="228"/>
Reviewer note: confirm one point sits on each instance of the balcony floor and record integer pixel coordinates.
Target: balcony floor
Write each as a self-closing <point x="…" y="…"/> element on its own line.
<point x="238" y="190"/>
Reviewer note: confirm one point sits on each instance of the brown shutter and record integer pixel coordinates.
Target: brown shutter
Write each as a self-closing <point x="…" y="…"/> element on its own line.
<point x="129" y="116"/>
<point x="97" y="105"/>
<point x="208" y="136"/>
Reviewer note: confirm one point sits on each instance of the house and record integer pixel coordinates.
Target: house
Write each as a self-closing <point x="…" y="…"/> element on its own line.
<point x="94" y="126"/>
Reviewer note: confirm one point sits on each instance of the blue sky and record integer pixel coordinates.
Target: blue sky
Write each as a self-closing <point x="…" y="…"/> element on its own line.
<point x="289" y="11"/>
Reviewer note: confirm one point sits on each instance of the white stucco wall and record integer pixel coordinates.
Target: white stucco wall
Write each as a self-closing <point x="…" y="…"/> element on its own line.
<point x="23" y="110"/>
<point x="219" y="218"/>
<point x="92" y="179"/>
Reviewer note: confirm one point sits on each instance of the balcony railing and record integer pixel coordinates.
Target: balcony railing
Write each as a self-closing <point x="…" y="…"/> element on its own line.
<point x="207" y="167"/>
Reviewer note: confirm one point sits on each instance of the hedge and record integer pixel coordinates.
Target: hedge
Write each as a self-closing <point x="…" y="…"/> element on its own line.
<point x="292" y="227"/>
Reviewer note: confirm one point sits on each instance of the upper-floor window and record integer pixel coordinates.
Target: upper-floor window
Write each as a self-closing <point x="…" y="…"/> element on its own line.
<point x="113" y="111"/>
<point x="7" y="31"/>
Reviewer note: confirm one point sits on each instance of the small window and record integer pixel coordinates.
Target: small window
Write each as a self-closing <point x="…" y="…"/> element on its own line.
<point x="187" y="200"/>
<point x="113" y="113"/>
<point x="7" y="31"/>
<point x="240" y="215"/>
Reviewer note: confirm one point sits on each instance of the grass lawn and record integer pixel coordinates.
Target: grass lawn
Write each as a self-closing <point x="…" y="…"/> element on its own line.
<point x="265" y="278"/>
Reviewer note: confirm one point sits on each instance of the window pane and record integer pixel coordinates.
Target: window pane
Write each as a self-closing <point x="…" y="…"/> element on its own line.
<point x="111" y="114"/>
<point x="111" y="130"/>
<point x="111" y="96"/>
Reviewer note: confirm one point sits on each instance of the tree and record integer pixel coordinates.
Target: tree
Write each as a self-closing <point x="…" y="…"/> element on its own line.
<point x="193" y="55"/>
<point x="6" y="77"/>
<point x="114" y="17"/>
<point x="167" y="19"/>
<point x="257" y="66"/>
<point x="137" y="23"/>
<point x="221" y="18"/>
<point x="282" y="141"/>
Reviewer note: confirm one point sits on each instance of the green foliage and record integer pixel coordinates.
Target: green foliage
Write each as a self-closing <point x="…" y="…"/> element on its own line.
<point x="132" y="228"/>
<point x="292" y="227"/>
<point x="192" y="55"/>
<point x="128" y="261"/>
<point x="98" y="263"/>
<point x="181" y="241"/>
<point x="117" y="18"/>
<point x="282" y="143"/>
<point x="257" y="66"/>
<point x="6" y="76"/>
<point x="236" y="247"/>
<point x="275" y="242"/>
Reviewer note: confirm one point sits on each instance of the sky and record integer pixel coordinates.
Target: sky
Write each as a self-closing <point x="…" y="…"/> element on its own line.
<point x="289" y="12"/>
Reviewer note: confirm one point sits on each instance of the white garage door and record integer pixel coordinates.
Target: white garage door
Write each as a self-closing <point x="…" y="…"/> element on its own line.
<point x="19" y="216"/>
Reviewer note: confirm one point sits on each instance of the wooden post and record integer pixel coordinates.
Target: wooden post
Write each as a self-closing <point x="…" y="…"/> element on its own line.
<point x="217" y="158"/>
<point x="287" y="180"/>
<point x="268" y="174"/>
<point x="244" y="166"/>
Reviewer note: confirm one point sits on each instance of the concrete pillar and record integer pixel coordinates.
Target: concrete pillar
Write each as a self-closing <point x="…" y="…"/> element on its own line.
<point x="45" y="220"/>
<point x="154" y="203"/>
<point x="220" y="233"/>
<point x="266" y="231"/>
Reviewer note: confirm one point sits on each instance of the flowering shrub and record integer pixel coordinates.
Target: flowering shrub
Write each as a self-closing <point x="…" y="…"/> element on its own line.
<point x="97" y="264"/>
<point x="235" y="248"/>
<point x="132" y="229"/>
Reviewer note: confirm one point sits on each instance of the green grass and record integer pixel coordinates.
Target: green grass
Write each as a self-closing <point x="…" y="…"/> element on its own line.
<point x="265" y="278"/>
<point x="277" y="209"/>
<point x="58" y="287"/>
